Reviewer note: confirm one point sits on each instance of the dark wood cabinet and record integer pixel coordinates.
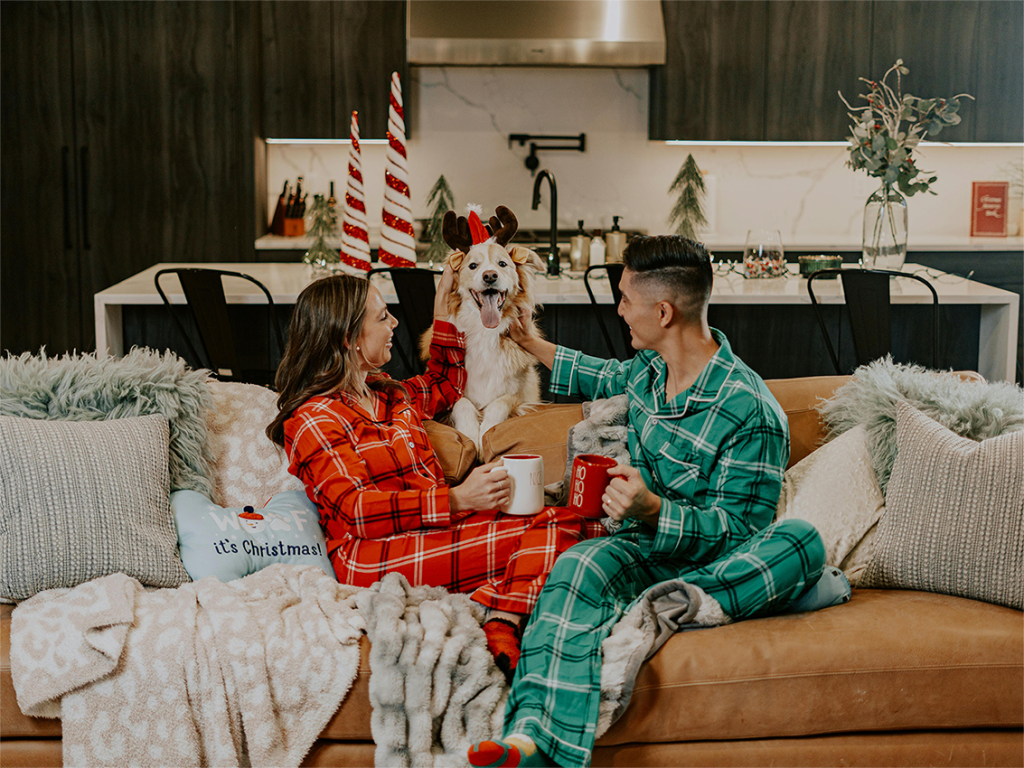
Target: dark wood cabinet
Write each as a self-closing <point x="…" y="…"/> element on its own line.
<point x="938" y="43"/>
<point x="158" y="137"/>
<point x="712" y="85"/>
<point x="999" y="87"/>
<point x="814" y="49"/>
<point x="319" y="61"/>
<point x="771" y="70"/>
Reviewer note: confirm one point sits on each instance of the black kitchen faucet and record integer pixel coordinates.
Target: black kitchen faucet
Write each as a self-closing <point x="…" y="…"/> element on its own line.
<point x="553" y="268"/>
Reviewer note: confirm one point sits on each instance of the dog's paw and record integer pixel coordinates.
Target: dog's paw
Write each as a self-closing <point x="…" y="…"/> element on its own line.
<point x="466" y="419"/>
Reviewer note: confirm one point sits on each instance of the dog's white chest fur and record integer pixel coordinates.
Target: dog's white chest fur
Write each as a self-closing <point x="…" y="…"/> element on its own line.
<point x="490" y="371"/>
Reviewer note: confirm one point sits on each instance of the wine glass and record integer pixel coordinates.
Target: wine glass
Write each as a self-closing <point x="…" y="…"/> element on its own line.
<point x="763" y="255"/>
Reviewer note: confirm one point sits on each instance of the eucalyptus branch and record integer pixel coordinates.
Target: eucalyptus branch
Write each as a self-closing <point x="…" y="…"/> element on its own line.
<point x="877" y="143"/>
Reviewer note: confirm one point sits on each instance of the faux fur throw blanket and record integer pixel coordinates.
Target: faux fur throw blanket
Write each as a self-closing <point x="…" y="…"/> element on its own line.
<point x="433" y="684"/>
<point x="243" y="673"/>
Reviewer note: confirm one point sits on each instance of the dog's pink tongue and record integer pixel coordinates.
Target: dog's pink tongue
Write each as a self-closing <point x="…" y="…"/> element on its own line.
<point x="490" y="316"/>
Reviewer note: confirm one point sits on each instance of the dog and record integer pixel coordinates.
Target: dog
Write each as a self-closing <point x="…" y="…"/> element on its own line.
<point x="493" y="285"/>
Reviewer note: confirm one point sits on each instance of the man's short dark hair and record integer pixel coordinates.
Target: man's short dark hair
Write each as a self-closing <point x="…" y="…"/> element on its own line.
<point x="675" y="263"/>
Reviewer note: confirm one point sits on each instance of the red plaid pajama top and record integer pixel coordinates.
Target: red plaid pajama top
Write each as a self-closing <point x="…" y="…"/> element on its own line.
<point x="384" y="504"/>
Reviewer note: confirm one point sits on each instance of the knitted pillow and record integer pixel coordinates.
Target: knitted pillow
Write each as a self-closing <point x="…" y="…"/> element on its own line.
<point x="954" y="520"/>
<point x="85" y="499"/>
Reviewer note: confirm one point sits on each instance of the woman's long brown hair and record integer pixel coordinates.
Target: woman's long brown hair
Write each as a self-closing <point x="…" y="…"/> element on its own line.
<point x="321" y="356"/>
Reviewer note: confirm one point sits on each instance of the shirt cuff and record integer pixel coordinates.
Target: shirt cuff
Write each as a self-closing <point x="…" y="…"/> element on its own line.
<point x="447" y="335"/>
<point x="437" y="511"/>
<point x="671" y="534"/>
<point x="563" y="370"/>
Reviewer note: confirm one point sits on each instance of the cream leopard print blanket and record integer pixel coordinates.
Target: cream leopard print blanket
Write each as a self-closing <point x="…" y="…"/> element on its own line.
<point x="244" y="673"/>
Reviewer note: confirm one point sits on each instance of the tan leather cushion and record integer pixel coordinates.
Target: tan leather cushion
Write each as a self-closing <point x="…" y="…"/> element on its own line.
<point x="888" y="659"/>
<point x="799" y="398"/>
<point x="543" y="432"/>
<point x="455" y="452"/>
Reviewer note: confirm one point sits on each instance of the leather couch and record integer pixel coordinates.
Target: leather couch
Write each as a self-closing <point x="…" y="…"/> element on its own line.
<point x="891" y="678"/>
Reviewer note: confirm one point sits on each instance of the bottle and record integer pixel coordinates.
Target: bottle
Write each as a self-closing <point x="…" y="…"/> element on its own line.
<point x="615" y="242"/>
<point x="579" y="250"/>
<point x="597" y="249"/>
<point x="331" y="200"/>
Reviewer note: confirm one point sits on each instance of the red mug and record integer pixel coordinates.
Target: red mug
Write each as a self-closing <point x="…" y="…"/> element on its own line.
<point x="587" y="483"/>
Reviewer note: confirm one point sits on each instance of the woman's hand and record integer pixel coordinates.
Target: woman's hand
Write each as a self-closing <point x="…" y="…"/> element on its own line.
<point x="487" y="487"/>
<point x="627" y="496"/>
<point x="444" y="289"/>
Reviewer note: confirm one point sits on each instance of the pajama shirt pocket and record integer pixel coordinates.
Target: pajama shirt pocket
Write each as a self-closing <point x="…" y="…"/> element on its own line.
<point x="680" y="477"/>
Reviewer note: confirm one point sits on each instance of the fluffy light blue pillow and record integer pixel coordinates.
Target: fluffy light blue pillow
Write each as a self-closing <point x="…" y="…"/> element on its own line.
<point x="229" y="543"/>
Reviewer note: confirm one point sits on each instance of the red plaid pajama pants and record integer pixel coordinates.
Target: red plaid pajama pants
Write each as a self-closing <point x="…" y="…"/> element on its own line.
<point x="503" y="560"/>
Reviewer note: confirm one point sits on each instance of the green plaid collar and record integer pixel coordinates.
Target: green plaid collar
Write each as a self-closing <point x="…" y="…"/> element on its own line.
<point x="704" y="390"/>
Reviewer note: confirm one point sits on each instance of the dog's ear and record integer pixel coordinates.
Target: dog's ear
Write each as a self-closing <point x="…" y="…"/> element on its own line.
<point x="455" y="261"/>
<point x="522" y="255"/>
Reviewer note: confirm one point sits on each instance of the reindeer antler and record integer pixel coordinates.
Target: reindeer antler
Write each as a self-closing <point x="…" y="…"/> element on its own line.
<point x="504" y="225"/>
<point x="455" y="231"/>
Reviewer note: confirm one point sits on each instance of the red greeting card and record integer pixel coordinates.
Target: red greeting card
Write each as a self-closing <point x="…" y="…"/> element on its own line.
<point x="988" y="208"/>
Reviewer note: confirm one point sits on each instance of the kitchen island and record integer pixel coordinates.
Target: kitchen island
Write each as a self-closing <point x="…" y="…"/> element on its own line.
<point x="770" y="320"/>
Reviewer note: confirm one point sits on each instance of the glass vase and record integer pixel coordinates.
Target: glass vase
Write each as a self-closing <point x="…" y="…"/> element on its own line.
<point x="884" y="243"/>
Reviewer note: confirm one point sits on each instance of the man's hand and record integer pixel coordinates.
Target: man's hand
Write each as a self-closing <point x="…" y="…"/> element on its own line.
<point x="444" y="288"/>
<point x="627" y="496"/>
<point x="523" y="332"/>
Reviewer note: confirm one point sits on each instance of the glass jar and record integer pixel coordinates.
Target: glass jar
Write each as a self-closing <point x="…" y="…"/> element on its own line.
<point x="884" y="242"/>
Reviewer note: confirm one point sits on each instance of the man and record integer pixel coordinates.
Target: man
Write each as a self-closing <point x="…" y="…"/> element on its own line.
<point x="709" y="445"/>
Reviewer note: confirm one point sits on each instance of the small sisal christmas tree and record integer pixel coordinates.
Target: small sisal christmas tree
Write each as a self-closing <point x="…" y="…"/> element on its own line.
<point x="442" y="200"/>
<point x="688" y="213"/>
<point x="323" y="223"/>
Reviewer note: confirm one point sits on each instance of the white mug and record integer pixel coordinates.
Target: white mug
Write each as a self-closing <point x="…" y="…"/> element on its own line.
<point x="526" y="474"/>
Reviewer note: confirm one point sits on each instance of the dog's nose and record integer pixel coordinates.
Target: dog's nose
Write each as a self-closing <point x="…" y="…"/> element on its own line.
<point x="490" y="277"/>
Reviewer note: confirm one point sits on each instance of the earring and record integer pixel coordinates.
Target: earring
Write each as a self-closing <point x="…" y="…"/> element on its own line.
<point x="357" y="347"/>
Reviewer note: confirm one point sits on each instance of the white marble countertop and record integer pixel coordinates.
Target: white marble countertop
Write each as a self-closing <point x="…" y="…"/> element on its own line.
<point x="997" y="333"/>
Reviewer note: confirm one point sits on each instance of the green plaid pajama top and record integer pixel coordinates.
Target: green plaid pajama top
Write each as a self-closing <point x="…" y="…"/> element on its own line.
<point x="716" y="455"/>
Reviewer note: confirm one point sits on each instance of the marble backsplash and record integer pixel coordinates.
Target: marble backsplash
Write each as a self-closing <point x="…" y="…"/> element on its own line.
<point x="461" y="119"/>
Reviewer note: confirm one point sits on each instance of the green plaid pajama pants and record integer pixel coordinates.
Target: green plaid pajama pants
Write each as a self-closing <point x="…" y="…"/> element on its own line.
<point x="556" y="691"/>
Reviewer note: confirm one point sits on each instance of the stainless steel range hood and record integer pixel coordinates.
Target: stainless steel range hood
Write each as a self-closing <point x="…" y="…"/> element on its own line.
<point x="578" y="33"/>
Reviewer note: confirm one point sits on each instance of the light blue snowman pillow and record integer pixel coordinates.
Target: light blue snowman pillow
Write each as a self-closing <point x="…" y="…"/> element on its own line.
<point x="232" y="542"/>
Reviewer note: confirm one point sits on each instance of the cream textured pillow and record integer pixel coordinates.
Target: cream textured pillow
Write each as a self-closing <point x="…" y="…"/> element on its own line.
<point x="247" y="467"/>
<point x="836" y="491"/>
<point x="955" y="517"/>
<point x="82" y="499"/>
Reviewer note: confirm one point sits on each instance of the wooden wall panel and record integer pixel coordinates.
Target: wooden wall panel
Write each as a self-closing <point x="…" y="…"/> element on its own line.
<point x="712" y="86"/>
<point x="39" y="271"/>
<point x="814" y="49"/>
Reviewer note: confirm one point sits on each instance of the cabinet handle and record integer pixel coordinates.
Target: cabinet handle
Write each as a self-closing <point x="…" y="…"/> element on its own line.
<point x="84" y="162"/>
<point x="65" y="153"/>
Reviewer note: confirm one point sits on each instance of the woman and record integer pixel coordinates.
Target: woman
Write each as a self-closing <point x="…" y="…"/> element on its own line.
<point x="355" y="438"/>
